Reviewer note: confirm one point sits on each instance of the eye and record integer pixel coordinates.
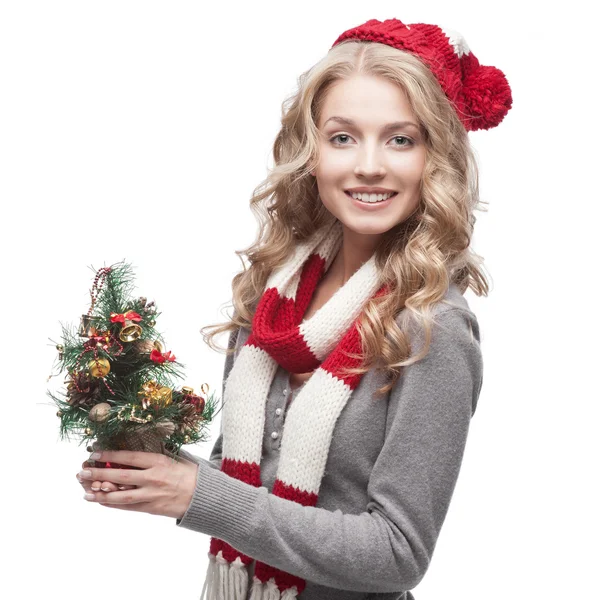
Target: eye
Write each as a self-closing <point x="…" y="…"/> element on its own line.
<point x="339" y="135"/>
<point x="408" y="141"/>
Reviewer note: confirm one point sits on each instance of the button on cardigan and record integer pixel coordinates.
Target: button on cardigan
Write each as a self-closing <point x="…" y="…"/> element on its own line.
<point x="390" y="474"/>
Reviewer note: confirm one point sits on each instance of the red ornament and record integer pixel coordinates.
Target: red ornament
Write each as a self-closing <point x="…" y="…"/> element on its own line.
<point x="196" y="401"/>
<point x="129" y="315"/>
<point x="159" y="357"/>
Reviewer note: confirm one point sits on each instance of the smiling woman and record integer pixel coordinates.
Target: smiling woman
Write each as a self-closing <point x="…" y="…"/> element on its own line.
<point x="365" y="247"/>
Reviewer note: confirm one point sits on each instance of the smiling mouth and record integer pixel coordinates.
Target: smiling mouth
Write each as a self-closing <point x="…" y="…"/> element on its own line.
<point x="349" y="194"/>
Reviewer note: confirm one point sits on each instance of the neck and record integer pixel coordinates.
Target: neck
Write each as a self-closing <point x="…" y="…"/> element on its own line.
<point x="356" y="249"/>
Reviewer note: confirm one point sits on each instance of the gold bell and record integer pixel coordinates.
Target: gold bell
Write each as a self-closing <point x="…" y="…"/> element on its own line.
<point x="130" y="332"/>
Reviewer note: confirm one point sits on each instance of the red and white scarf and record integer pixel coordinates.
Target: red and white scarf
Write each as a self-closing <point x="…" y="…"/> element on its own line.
<point x="280" y="337"/>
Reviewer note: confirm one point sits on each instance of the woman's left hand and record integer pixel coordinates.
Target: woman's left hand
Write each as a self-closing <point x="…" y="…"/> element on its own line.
<point x="163" y="485"/>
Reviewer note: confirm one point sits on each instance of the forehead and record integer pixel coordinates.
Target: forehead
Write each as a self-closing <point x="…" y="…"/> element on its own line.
<point x="366" y="100"/>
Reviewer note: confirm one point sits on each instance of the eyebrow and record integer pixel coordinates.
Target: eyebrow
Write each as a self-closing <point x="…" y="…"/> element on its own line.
<point x="351" y="123"/>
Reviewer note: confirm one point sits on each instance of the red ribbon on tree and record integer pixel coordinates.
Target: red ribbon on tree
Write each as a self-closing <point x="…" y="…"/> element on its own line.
<point x="129" y="315"/>
<point x="158" y="357"/>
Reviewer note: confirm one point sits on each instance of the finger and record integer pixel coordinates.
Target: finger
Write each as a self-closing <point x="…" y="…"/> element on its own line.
<point x="125" y="497"/>
<point x="104" y="486"/>
<point x="86" y="485"/>
<point x="107" y="486"/>
<point x="116" y="476"/>
<point x="134" y="507"/>
<point x="144" y="460"/>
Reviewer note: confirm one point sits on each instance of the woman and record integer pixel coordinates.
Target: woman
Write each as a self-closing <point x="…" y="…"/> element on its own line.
<point x="354" y="362"/>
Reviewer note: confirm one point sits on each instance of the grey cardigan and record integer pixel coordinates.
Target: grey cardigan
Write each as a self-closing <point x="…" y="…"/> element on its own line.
<point x="391" y="471"/>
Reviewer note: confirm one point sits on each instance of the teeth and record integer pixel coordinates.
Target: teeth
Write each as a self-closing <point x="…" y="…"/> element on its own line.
<point x="371" y="197"/>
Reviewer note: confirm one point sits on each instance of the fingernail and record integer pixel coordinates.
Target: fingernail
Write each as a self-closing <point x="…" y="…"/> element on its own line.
<point x="105" y="489"/>
<point x="85" y="474"/>
<point x="95" y="456"/>
<point x="89" y="496"/>
<point x="95" y="489"/>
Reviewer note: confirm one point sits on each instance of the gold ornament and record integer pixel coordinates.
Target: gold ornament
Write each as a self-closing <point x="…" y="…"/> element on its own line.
<point x="186" y="439"/>
<point x="59" y="413"/>
<point x="99" y="367"/>
<point x="165" y="395"/>
<point x="187" y="390"/>
<point x="99" y="412"/>
<point x="152" y="393"/>
<point x="131" y="331"/>
<point x="152" y="322"/>
<point x="88" y="326"/>
<point x="88" y="431"/>
<point x="132" y="416"/>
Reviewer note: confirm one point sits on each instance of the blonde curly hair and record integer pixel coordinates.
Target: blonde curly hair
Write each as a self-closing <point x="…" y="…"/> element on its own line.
<point x="418" y="258"/>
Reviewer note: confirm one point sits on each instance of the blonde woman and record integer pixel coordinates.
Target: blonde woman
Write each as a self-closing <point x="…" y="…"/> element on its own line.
<point x="354" y="364"/>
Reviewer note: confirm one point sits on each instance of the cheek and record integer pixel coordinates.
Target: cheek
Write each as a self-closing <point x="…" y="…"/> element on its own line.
<point x="409" y="169"/>
<point x="333" y="165"/>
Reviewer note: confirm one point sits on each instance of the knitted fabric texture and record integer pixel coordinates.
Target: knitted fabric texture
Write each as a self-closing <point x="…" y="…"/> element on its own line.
<point x="280" y="337"/>
<point x="480" y="94"/>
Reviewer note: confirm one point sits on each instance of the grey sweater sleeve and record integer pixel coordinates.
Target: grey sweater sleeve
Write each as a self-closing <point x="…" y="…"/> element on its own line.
<point x="215" y="455"/>
<point x="388" y="547"/>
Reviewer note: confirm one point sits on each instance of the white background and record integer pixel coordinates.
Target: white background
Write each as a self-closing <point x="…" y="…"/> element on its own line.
<point x="138" y="130"/>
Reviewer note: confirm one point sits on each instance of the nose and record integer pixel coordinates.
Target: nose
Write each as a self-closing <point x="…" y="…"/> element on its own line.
<point x="369" y="163"/>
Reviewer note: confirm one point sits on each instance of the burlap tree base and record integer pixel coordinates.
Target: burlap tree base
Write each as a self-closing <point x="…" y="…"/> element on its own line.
<point x="140" y="439"/>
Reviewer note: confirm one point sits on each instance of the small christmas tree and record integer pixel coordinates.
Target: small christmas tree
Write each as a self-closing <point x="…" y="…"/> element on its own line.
<point x="119" y="390"/>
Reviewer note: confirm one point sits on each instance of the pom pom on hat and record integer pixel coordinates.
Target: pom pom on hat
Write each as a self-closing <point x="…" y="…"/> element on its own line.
<point x="487" y="97"/>
<point x="480" y="94"/>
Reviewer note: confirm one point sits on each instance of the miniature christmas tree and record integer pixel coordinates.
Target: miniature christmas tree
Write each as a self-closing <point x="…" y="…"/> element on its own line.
<point x="119" y="389"/>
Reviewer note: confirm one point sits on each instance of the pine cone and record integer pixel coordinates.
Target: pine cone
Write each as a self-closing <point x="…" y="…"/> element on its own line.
<point x="90" y="393"/>
<point x="189" y="418"/>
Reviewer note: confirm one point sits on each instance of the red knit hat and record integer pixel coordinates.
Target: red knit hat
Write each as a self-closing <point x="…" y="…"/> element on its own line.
<point x="480" y="94"/>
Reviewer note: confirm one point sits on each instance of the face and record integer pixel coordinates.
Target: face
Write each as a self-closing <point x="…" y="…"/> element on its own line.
<point x="366" y="142"/>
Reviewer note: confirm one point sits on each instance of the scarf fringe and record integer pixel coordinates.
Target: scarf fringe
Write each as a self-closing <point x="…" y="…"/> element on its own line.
<point x="229" y="581"/>
<point x="270" y="591"/>
<point x="224" y="580"/>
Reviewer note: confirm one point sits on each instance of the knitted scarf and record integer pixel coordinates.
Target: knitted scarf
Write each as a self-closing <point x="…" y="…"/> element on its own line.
<point x="280" y="337"/>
